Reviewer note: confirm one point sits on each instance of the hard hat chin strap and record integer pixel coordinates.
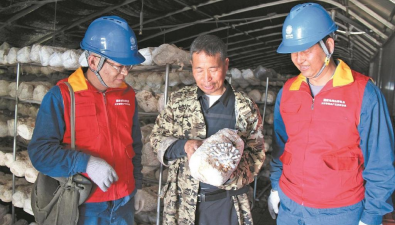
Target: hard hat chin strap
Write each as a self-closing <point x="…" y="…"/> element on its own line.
<point x="99" y="67"/>
<point x="327" y="59"/>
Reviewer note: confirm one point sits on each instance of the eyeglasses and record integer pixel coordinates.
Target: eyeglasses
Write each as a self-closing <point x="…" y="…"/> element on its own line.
<point x="117" y="68"/>
<point x="120" y="68"/>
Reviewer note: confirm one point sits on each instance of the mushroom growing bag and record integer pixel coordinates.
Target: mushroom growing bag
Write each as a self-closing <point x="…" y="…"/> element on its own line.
<point x="216" y="159"/>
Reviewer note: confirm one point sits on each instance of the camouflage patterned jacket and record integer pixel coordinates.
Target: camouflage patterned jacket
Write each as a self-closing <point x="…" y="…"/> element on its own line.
<point x="183" y="119"/>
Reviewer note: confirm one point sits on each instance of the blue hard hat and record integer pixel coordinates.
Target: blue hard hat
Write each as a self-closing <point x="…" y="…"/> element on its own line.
<point x="111" y="37"/>
<point x="305" y="26"/>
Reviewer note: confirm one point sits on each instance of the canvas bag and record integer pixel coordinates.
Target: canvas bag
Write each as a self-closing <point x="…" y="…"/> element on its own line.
<point x="55" y="200"/>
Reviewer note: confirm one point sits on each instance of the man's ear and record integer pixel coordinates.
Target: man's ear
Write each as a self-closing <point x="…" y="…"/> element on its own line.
<point x="92" y="62"/>
<point x="226" y="63"/>
<point x="330" y="44"/>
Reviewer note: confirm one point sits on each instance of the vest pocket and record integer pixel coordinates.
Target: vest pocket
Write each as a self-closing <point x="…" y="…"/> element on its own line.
<point x="345" y="159"/>
<point x="342" y="163"/>
<point x="86" y="124"/>
<point x="290" y="113"/>
<point x="286" y="158"/>
<point x="290" y="108"/>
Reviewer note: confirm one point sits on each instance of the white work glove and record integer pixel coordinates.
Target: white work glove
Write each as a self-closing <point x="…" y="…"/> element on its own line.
<point x="138" y="201"/>
<point x="273" y="201"/>
<point x="362" y="223"/>
<point x="101" y="173"/>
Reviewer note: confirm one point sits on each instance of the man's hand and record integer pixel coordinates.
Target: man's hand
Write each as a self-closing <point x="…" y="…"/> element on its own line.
<point x="273" y="201"/>
<point x="138" y="201"/>
<point x="191" y="146"/>
<point x="101" y="173"/>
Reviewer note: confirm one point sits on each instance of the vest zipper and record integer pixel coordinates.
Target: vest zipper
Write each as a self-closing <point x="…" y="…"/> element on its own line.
<point x="312" y="105"/>
<point x="311" y="93"/>
<point x="109" y="133"/>
<point x="104" y="98"/>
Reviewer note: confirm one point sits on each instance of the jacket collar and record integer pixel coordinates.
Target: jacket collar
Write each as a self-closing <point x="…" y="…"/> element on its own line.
<point x="79" y="82"/>
<point x="341" y="77"/>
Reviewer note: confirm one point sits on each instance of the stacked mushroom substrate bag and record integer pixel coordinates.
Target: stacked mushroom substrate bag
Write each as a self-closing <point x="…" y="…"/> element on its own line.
<point x="25" y="174"/>
<point x="22" y="196"/>
<point x="150" y="85"/>
<point x="54" y="60"/>
<point x="43" y="66"/>
<point x="151" y="169"/>
<point x="26" y="119"/>
<point x="6" y="217"/>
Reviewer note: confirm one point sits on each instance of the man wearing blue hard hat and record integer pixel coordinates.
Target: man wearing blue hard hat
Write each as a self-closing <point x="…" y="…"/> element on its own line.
<point x="107" y="131"/>
<point x="334" y="144"/>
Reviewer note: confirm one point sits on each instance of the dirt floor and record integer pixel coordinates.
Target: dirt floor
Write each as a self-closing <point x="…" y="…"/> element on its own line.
<point x="262" y="217"/>
<point x="260" y="213"/>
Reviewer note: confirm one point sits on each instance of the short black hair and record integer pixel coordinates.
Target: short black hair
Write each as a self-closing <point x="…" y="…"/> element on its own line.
<point x="210" y="44"/>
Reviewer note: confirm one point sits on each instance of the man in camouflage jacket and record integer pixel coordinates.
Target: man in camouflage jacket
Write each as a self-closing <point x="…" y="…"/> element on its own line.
<point x="182" y="118"/>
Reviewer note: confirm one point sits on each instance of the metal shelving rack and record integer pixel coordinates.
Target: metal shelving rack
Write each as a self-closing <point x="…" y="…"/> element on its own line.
<point x="15" y="136"/>
<point x="161" y="165"/>
<point x="14" y="148"/>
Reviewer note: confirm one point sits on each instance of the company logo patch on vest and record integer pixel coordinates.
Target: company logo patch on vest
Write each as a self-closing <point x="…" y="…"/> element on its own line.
<point x="333" y="102"/>
<point x="122" y="102"/>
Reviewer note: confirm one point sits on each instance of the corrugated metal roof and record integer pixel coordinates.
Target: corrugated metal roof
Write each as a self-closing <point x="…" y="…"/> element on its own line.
<point x="252" y="29"/>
